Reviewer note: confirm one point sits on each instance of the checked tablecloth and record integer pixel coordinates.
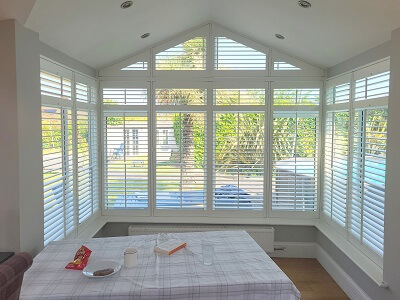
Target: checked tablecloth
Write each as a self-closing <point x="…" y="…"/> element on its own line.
<point x="241" y="270"/>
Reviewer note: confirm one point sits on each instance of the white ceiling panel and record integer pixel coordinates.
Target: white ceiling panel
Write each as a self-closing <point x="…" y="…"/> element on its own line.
<point x="98" y="32"/>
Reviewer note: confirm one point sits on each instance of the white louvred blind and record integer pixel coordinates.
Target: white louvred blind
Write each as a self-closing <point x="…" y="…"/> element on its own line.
<point x="55" y="85"/>
<point x="294" y="161"/>
<point x="239" y="155"/>
<point x="296" y="96"/>
<point x="239" y="96"/>
<point x="189" y="55"/>
<point x="181" y="160"/>
<point x="138" y="66"/>
<point x="284" y="66"/>
<point x="232" y="55"/>
<point x="124" y="96"/>
<point x="371" y="87"/>
<point x="169" y="96"/>
<point x="336" y="162"/>
<point x="58" y="184"/>
<point x="338" y="89"/>
<point x="87" y="174"/>
<point x="126" y="153"/>
<point x="82" y="92"/>
<point x="368" y="178"/>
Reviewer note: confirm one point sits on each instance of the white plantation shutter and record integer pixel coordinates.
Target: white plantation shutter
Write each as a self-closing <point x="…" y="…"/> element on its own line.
<point x="87" y="173"/>
<point x="239" y="96"/>
<point x="232" y="55"/>
<point x="138" y="66"/>
<point x="284" y="66"/>
<point x="181" y="161"/>
<point x="368" y="178"/>
<point x="336" y="162"/>
<point x="294" y="161"/>
<point x="126" y="144"/>
<point x="239" y="156"/>
<point x="186" y="97"/>
<point x="338" y="90"/>
<point x="189" y="55"/>
<point x="54" y="85"/>
<point x="371" y="87"/>
<point x="70" y="158"/>
<point x="296" y="96"/>
<point x="59" y="219"/>
<point x="124" y="96"/>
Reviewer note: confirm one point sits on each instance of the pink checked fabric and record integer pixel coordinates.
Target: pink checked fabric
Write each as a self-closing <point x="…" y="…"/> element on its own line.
<point x="11" y="275"/>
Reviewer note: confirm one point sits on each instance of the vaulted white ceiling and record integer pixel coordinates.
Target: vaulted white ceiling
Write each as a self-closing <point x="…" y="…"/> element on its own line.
<point x="99" y="32"/>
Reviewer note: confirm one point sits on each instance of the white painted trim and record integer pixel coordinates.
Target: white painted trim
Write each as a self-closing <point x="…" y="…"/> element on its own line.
<point x="347" y="284"/>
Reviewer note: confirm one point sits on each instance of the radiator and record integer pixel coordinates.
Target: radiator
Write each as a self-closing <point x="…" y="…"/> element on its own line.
<point x="263" y="235"/>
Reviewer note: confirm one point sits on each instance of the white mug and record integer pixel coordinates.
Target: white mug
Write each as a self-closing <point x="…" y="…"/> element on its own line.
<point x="130" y="257"/>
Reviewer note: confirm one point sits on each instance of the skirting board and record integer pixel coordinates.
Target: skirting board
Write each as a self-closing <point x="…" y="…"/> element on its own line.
<point x="348" y="285"/>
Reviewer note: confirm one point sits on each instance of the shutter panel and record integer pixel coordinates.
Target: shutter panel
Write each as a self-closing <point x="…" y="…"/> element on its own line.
<point x="87" y="188"/>
<point x="124" y="96"/>
<point x="239" y="96"/>
<point x="368" y="178"/>
<point x="57" y="173"/>
<point x="181" y="96"/>
<point x="239" y="156"/>
<point x="82" y="92"/>
<point x="284" y="66"/>
<point x="293" y="96"/>
<point x="126" y="165"/>
<point x="338" y="89"/>
<point x="189" y="55"/>
<point x="372" y="82"/>
<point x="294" y="161"/>
<point x="54" y="85"/>
<point x="336" y="162"/>
<point x="139" y="66"/>
<point x="181" y="161"/>
<point x="232" y="55"/>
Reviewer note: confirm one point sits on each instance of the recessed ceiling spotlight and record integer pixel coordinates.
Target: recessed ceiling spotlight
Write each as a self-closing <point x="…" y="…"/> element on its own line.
<point x="146" y="35"/>
<point x="280" y="36"/>
<point x="126" y="4"/>
<point x="304" y="4"/>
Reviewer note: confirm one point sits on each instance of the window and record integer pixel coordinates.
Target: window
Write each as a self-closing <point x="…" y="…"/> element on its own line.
<point x="181" y="157"/>
<point x="126" y="160"/>
<point x="189" y="55"/>
<point x="336" y="166"/>
<point x="201" y="134"/>
<point x="284" y="66"/>
<point x="368" y="178"/>
<point x="238" y="161"/>
<point x="139" y="66"/>
<point x="355" y="157"/>
<point x="58" y="183"/>
<point x="232" y="55"/>
<point x="70" y="159"/>
<point x="296" y="96"/>
<point x="294" y="161"/>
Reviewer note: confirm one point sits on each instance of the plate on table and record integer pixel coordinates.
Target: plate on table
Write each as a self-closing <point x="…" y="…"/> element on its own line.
<point x="100" y="269"/>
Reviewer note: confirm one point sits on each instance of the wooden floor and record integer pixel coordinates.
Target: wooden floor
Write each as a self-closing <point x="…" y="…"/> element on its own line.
<point x="310" y="278"/>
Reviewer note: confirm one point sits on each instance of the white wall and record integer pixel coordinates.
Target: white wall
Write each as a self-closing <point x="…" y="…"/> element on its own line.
<point x="21" y="201"/>
<point x="391" y="263"/>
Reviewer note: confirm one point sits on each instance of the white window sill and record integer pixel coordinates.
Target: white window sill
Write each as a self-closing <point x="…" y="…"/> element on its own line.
<point x="367" y="265"/>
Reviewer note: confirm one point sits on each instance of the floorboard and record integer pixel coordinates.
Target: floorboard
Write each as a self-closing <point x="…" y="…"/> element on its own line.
<point x="311" y="278"/>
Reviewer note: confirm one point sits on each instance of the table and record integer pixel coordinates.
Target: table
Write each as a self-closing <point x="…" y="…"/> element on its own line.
<point x="5" y="255"/>
<point x="241" y="270"/>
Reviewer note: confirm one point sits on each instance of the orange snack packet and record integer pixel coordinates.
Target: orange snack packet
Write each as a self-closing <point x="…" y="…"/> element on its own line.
<point x="80" y="260"/>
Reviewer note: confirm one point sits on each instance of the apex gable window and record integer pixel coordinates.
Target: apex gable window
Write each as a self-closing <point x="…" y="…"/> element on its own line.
<point x="189" y="55"/>
<point x="232" y="55"/>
